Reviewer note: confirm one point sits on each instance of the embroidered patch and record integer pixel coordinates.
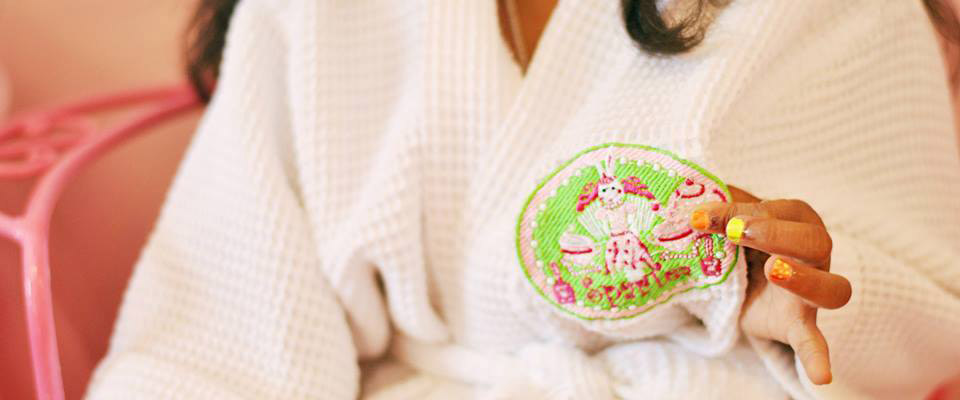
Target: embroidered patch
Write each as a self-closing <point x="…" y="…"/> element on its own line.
<point x="606" y="235"/>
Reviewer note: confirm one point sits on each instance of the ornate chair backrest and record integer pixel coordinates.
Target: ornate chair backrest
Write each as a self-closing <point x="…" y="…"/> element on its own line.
<point x="52" y="146"/>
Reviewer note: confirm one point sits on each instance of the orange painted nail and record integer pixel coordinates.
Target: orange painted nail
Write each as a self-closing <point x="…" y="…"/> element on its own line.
<point x="699" y="220"/>
<point x="781" y="271"/>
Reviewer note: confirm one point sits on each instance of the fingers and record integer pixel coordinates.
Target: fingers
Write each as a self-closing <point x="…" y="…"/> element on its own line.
<point x="810" y="347"/>
<point x="741" y="196"/>
<point x="798" y="240"/>
<point x="788" y="227"/>
<point x="794" y="234"/>
<point x="713" y="217"/>
<point x="816" y="286"/>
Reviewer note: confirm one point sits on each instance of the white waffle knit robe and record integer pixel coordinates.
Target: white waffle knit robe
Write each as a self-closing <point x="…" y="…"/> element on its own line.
<point x="357" y="178"/>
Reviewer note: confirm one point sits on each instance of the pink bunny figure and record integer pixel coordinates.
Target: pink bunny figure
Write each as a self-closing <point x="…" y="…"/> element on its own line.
<point x="623" y="248"/>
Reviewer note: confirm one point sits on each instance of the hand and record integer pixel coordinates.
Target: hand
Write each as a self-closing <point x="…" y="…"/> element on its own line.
<point x="787" y="244"/>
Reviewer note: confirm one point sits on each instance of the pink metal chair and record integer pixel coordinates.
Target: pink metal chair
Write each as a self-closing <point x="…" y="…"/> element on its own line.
<point x="52" y="146"/>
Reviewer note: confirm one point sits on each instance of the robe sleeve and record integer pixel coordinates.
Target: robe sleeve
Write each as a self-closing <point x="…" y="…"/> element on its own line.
<point x="847" y="107"/>
<point x="897" y="338"/>
<point x="861" y="128"/>
<point x="228" y="299"/>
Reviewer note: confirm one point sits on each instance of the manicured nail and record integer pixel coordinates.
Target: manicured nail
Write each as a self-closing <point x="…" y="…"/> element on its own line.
<point x="699" y="220"/>
<point x="781" y="271"/>
<point x="735" y="230"/>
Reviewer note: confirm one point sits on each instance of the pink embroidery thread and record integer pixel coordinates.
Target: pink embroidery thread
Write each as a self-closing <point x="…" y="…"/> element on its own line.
<point x="720" y="194"/>
<point x="690" y="196"/>
<point x="676" y="237"/>
<point x="631" y="185"/>
<point x="587" y="220"/>
<point x="576" y="252"/>
<point x="561" y="288"/>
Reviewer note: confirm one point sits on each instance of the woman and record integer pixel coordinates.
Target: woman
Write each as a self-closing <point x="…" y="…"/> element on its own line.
<point x="356" y="178"/>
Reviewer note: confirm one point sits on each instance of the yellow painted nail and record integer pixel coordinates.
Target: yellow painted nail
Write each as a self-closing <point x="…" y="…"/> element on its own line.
<point x="699" y="220"/>
<point x="781" y="271"/>
<point x="735" y="230"/>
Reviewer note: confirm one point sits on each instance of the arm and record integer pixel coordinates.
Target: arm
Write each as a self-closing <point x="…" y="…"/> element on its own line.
<point x="870" y="146"/>
<point x="894" y="339"/>
<point x="897" y="337"/>
<point x="228" y="300"/>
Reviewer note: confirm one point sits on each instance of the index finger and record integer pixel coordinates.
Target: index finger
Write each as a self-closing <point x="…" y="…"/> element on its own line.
<point x="713" y="217"/>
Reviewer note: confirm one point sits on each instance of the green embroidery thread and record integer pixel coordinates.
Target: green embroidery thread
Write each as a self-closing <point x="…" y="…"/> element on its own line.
<point x="604" y="236"/>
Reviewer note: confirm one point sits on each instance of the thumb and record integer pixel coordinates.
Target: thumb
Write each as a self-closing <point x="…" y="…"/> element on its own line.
<point x="810" y="347"/>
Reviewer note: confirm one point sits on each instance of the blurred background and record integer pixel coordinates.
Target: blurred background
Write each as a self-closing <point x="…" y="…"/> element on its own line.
<point x="51" y="52"/>
<point x="56" y="51"/>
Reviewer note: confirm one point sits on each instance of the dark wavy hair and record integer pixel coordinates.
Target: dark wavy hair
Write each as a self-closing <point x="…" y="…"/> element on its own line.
<point x="642" y="20"/>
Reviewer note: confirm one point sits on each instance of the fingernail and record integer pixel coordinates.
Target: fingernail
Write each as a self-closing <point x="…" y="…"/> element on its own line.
<point x="735" y="230"/>
<point x="781" y="271"/>
<point x="699" y="220"/>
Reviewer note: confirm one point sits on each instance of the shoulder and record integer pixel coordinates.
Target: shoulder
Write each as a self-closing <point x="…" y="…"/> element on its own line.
<point x="809" y="35"/>
<point x="820" y="58"/>
<point x="275" y="8"/>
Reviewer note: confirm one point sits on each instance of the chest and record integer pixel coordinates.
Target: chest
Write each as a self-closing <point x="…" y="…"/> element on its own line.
<point x="447" y="171"/>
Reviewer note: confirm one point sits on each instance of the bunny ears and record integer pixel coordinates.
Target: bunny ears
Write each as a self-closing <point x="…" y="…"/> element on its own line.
<point x="607" y="169"/>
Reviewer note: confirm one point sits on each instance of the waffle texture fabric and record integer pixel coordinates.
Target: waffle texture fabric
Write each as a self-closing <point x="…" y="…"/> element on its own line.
<point x="343" y="222"/>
